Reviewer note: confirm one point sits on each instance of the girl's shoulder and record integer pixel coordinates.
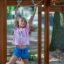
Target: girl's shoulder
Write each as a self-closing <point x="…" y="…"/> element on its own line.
<point x="16" y="29"/>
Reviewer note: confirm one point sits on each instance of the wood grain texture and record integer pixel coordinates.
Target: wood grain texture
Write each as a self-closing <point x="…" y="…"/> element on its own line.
<point x="3" y="40"/>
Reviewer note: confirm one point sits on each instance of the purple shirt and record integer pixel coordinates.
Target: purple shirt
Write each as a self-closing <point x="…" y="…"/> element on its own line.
<point x="21" y="36"/>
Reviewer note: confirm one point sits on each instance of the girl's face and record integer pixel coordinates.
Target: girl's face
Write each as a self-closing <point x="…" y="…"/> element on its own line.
<point x="22" y="23"/>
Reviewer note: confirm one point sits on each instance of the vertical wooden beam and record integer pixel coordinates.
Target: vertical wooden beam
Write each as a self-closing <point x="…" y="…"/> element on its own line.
<point x="3" y="35"/>
<point x="39" y="34"/>
<point x="46" y="33"/>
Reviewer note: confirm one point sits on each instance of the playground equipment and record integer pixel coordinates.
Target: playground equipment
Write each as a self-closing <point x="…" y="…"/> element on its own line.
<point x="3" y="31"/>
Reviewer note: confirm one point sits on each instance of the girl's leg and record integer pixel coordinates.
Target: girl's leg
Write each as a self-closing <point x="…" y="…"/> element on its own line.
<point x="25" y="61"/>
<point x="12" y="60"/>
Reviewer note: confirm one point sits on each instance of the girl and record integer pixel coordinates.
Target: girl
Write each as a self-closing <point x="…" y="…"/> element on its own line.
<point x="21" y="39"/>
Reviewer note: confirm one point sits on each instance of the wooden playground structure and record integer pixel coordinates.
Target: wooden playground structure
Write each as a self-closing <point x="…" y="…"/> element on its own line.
<point x="3" y="25"/>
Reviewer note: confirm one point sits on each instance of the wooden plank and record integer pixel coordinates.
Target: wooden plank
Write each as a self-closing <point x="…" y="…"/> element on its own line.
<point x="58" y="2"/>
<point x="23" y="3"/>
<point x="46" y="34"/>
<point x="57" y="8"/>
<point x="3" y="43"/>
<point x="39" y="34"/>
<point x="54" y="8"/>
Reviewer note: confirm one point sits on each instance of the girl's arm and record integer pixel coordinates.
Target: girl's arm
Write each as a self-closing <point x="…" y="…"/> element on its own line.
<point x="31" y="18"/>
<point x="15" y="22"/>
<point x="16" y="19"/>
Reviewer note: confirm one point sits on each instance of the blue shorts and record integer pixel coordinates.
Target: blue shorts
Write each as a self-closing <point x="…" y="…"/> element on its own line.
<point x="20" y="53"/>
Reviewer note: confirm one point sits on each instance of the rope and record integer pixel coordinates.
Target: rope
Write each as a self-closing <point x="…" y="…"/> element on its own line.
<point x="37" y="3"/>
<point x="18" y="5"/>
<point x="18" y="2"/>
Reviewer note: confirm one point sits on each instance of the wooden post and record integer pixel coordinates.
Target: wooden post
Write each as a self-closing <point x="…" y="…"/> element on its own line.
<point x="46" y="34"/>
<point x="3" y="43"/>
<point x="39" y="34"/>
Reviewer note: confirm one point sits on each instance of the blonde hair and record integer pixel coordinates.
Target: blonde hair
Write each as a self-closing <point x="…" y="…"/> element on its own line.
<point x="17" y="22"/>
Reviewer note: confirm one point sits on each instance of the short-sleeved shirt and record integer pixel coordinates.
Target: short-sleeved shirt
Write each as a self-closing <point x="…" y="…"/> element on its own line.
<point x="21" y="36"/>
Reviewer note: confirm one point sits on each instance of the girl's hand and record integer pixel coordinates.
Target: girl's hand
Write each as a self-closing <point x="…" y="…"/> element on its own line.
<point x="35" y="5"/>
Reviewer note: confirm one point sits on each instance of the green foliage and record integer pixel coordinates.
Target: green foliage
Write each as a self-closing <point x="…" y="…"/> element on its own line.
<point x="9" y="10"/>
<point x="12" y="8"/>
<point x="10" y="29"/>
<point x="31" y="57"/>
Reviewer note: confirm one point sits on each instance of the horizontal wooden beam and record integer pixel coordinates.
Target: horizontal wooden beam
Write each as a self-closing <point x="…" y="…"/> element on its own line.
<point x="23" y="3"/>
<point x="58" y="2"/>
<point x="54" y="9"/>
